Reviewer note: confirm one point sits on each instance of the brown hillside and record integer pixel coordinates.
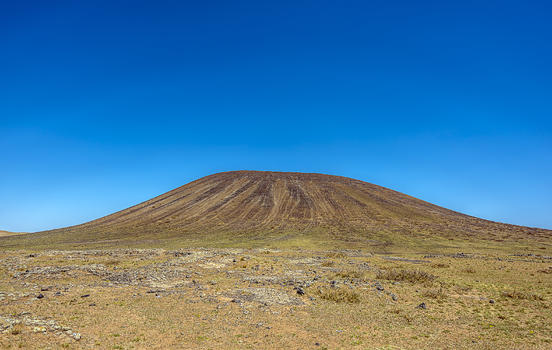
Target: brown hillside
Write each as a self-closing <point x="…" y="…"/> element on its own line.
<point x="8" y="233"/>
<point x="256" y="205"/>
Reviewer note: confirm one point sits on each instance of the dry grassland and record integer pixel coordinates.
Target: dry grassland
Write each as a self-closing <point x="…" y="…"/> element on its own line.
<point x="233" y="298"/>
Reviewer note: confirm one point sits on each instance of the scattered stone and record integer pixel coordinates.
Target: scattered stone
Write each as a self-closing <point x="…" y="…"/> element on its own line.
<point x="491" y="301"/>
<point x="37" y="325"/>
<point x="300" y="290"/>
<point x="40" y="296"/>
<point x="422" y="306"/>
<point x="44" y="289"/>
<point x="85" y="295"/>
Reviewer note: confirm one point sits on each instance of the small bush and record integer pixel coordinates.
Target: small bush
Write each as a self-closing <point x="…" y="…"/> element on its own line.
<point x="339" y="295"/>
<point x="413" y="276"/>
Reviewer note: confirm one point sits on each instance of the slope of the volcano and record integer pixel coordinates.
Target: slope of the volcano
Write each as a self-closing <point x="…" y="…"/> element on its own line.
<point x="249" y="206"/>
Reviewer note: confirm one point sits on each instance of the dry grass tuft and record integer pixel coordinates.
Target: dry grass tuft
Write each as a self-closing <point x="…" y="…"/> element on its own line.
<point x="519" y="295"/>
<point x="350" y="274"/>
<point x="17" y="329"/>
<point x="435" y="293"/>
<point x="113" y="262"/>
<point x="336" y="255"/>
<point x="339" y="295"/>
<point x="413" y="276"/>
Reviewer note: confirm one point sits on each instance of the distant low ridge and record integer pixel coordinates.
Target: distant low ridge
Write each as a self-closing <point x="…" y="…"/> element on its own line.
<point x="8" y="233"/>
<point x="262" y="205"/>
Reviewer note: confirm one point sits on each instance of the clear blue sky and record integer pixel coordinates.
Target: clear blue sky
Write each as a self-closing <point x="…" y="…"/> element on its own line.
<point x="104" y="104"/>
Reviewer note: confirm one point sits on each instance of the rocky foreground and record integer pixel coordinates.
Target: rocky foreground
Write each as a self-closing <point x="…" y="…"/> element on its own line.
<point x="239" y="298"/>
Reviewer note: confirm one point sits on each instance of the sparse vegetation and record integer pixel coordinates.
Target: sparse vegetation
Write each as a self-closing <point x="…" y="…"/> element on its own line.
<point x="412" y="276"/>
